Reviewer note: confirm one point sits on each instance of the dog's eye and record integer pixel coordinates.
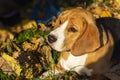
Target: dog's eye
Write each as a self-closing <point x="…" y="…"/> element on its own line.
<point x="72" y="29"/>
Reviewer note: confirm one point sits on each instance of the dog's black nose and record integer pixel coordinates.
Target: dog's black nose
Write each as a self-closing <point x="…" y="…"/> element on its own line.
<point x="51" y="38"/>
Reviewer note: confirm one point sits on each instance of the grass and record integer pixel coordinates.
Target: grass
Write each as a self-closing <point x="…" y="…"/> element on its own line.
<point x="36" y="62"/>
<point x="6" y="77"/>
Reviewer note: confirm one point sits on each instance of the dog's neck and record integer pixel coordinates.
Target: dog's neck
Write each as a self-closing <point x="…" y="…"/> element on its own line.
<point x="103" y="36"/>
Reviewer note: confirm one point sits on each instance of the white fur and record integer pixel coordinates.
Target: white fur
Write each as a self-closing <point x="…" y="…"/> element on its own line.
<point x="76" y="63"/>
<point x="49" y="73"/>
<point x="73" y="63"/>
<point x="59" y="34"/>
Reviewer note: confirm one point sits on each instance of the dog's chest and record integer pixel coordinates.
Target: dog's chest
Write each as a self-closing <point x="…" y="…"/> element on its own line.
<point x="74" y="62"/>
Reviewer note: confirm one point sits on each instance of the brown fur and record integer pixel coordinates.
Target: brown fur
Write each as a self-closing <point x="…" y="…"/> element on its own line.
<point x="86" y="39"/>
<point x="100" y="60"/>
<point x="88" y="42"/>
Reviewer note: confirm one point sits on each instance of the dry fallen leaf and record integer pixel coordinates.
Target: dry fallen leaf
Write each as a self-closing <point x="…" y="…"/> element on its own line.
<point x="97" y="10"/>
<point x="29" y="73"/>
<point x="5" y="67"/>
<point x="43" y="27"/>
<point x="12" y="63"/>
<point x="47" y="52"/>
<point x="24" y="25"/>
<point x="27" y="24"/>
<point x="27" y="46"/>
<point x="4" y="34"/>
<point x="16" y="54"/>
<point x="117" y="3"/>
<point x="35" y="42"/>
<point x="105" y="14"/>
<point x="16" y="47"/>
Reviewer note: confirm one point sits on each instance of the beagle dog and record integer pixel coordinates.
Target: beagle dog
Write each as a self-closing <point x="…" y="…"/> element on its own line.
<point x="84" y="46"/>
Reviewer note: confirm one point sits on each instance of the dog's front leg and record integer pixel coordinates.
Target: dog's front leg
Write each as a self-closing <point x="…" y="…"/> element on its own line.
<point x="48" y="73"/>
<point x="56" y="70"/>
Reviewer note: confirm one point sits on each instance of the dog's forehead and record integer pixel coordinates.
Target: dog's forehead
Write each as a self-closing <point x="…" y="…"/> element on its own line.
<point x="77" y="14"/>
<point x="68" y="14"/>
<point x="76" y="22"/>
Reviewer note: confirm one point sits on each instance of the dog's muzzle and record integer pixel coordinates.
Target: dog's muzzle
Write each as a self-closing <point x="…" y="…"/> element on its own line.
<point x="52" y="39"/>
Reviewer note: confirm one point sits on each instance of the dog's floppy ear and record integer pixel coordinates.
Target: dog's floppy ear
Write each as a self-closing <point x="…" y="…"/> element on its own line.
<point x="88" y="42"/>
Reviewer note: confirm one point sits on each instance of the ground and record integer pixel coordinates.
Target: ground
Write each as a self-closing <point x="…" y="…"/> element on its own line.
<point x="24" y="53"/>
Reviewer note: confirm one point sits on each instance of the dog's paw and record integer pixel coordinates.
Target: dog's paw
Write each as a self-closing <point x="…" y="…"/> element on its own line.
<point x="45" y="75"/>
<point x="49" y="73"/>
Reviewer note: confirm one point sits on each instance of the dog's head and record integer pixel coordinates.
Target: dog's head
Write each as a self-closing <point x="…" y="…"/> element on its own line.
<point x="75" y="30"/>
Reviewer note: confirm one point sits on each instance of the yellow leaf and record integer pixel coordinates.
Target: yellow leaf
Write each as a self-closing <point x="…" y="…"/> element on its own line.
<point x="4" y="34"/>
<point x="105" y="14"/>
<point x="29" y="73"/>
<point x="13" y="63"/>
<point x="43" y="27"/>
<point x="47" y="52"/>
<point x="26" y="24"/>
<point x="16" y="47"/>
<point x="3" y="45"/>
<point x="27" y="46"/>
<point x="117" y="2"/>
<point x="11" y="36"/>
